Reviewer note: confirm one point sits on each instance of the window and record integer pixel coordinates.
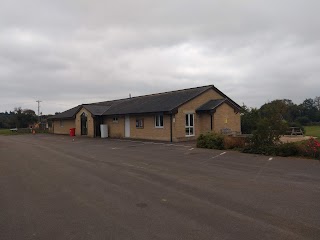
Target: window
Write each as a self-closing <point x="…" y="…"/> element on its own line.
<point x="158" y="121"/>
<point x="139" y="123"/>
<point x="61" y="123"/>
<point x="115" y="119"/>
<point x="190" y="124"/>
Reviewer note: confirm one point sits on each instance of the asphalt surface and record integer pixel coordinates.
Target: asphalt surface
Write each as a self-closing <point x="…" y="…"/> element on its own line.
<point x="52" y="187"/>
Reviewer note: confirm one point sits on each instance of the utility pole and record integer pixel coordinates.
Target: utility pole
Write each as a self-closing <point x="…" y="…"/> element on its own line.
<point x="38" y="101"/>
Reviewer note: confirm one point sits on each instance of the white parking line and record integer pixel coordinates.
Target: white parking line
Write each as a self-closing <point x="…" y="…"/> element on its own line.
<point x="219" y="154"/>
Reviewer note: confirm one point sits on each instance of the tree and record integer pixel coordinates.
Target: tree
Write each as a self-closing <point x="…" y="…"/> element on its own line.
<point x="284" y="107"/>
<point x="309" y="109"/>
<point x="249" y="119"/>
<point x="23" y="118"/>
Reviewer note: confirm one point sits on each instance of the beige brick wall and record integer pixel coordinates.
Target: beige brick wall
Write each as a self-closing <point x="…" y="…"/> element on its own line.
<point x="190" y="107"/>
<point x="90" y="123"/>
<point x="149" y="131"/>
<point x="225" y="117"/>
<point x="202" y="122"/>
<point x="116" y="129"/>
<point x="65" y="128"/>
<point x="205" y="122"/>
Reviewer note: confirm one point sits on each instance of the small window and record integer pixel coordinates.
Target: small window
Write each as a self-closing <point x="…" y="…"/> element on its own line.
<point x="115" y="119"/>
<point x="190" y="124"/>
<point x="139" y="123"/>
<point x="158" y="121"/>
<point x="61" y="123"/>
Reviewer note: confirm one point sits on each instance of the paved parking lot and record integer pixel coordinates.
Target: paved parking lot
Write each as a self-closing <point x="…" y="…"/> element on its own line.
<point x="52" y="187"/>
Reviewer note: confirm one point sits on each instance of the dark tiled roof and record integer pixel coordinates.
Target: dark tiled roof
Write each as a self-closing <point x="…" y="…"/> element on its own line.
<point x="95" y="109"/>
<point x="210" y="105"/>
<point x="161" y="102"/>
<point x="165" y="102"/>
<point x="213" y="104"/>
<point x="67" y="114"/>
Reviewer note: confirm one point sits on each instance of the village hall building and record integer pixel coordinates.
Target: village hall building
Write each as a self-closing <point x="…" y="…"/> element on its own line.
<point x="169" y="116"/>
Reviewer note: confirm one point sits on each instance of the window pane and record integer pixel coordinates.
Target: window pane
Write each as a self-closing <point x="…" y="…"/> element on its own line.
<point x="161" y="120"/>
<point x="156" y="121"/>
<point x="191" y="120"/>
<point x="191" y="131"/>
<point x="187" y="131"/>
<point x="187" y="119"/>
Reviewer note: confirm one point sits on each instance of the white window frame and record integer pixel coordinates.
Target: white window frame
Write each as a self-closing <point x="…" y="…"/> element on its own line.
<point x="188" y="126"/>
<point x="157" y="121"/>
<point x="115" y="120"/>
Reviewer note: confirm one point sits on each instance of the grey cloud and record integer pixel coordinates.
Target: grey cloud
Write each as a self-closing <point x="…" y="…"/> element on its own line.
<point x="70" y="52"/>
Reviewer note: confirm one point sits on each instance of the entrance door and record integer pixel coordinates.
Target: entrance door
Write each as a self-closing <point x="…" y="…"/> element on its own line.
<point x="97" y="122"/>
<point x="127" y="126"/>
<point x="84" y="124"/>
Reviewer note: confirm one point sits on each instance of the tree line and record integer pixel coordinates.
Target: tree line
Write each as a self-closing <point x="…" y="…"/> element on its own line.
<point x="281" y="114"/>
<point x="19" y="118"/>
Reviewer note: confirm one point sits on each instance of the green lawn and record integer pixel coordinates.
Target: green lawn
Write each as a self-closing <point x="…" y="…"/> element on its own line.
<point x="312" y="131"/>
<point x="6" y="132"/>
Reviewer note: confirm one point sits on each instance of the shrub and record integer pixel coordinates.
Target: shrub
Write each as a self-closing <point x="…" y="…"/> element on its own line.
<point x="312" y="148"/>
<point x="268" y="133"/>
<point x="264" y="150"/>
<point x="210" y="140"/>
<point x="201" y="141"/>
<point x="287" y="149"/>
<point x="309" y="148"/>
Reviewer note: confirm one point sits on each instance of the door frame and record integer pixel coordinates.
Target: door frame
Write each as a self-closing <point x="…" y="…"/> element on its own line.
<point x="84" y="120"/>
<point x="127" y="126"/>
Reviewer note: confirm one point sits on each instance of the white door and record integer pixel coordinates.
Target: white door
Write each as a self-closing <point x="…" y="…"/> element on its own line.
<point x="127" y="126"/>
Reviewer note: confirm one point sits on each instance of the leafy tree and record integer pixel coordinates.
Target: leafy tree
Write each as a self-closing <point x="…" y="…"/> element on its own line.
<point x="23" y="118"/>
<point x="309" y="109"/>
<point x="249" y="119"/>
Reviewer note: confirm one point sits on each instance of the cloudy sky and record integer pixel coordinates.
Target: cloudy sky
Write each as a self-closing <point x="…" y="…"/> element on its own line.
<point x="78" y="51"/>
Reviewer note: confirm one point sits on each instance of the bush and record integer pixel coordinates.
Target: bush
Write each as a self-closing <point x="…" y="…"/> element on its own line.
<point x="312" y="148"/>
<point x="309" y="148"/>
<point x="210" y="140"/>
<point x="282" y="149"/>
<point x="264" y="150"/>
<point x="287" y="149"/>
<point x="268" y="132"/>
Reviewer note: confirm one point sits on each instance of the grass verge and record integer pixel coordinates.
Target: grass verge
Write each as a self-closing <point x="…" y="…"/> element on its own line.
<point x="6" y="132"/>
<point x="312" y="131"/>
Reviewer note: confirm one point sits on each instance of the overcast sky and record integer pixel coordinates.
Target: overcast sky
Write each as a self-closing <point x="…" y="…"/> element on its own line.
<point x="79" y="51"/>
